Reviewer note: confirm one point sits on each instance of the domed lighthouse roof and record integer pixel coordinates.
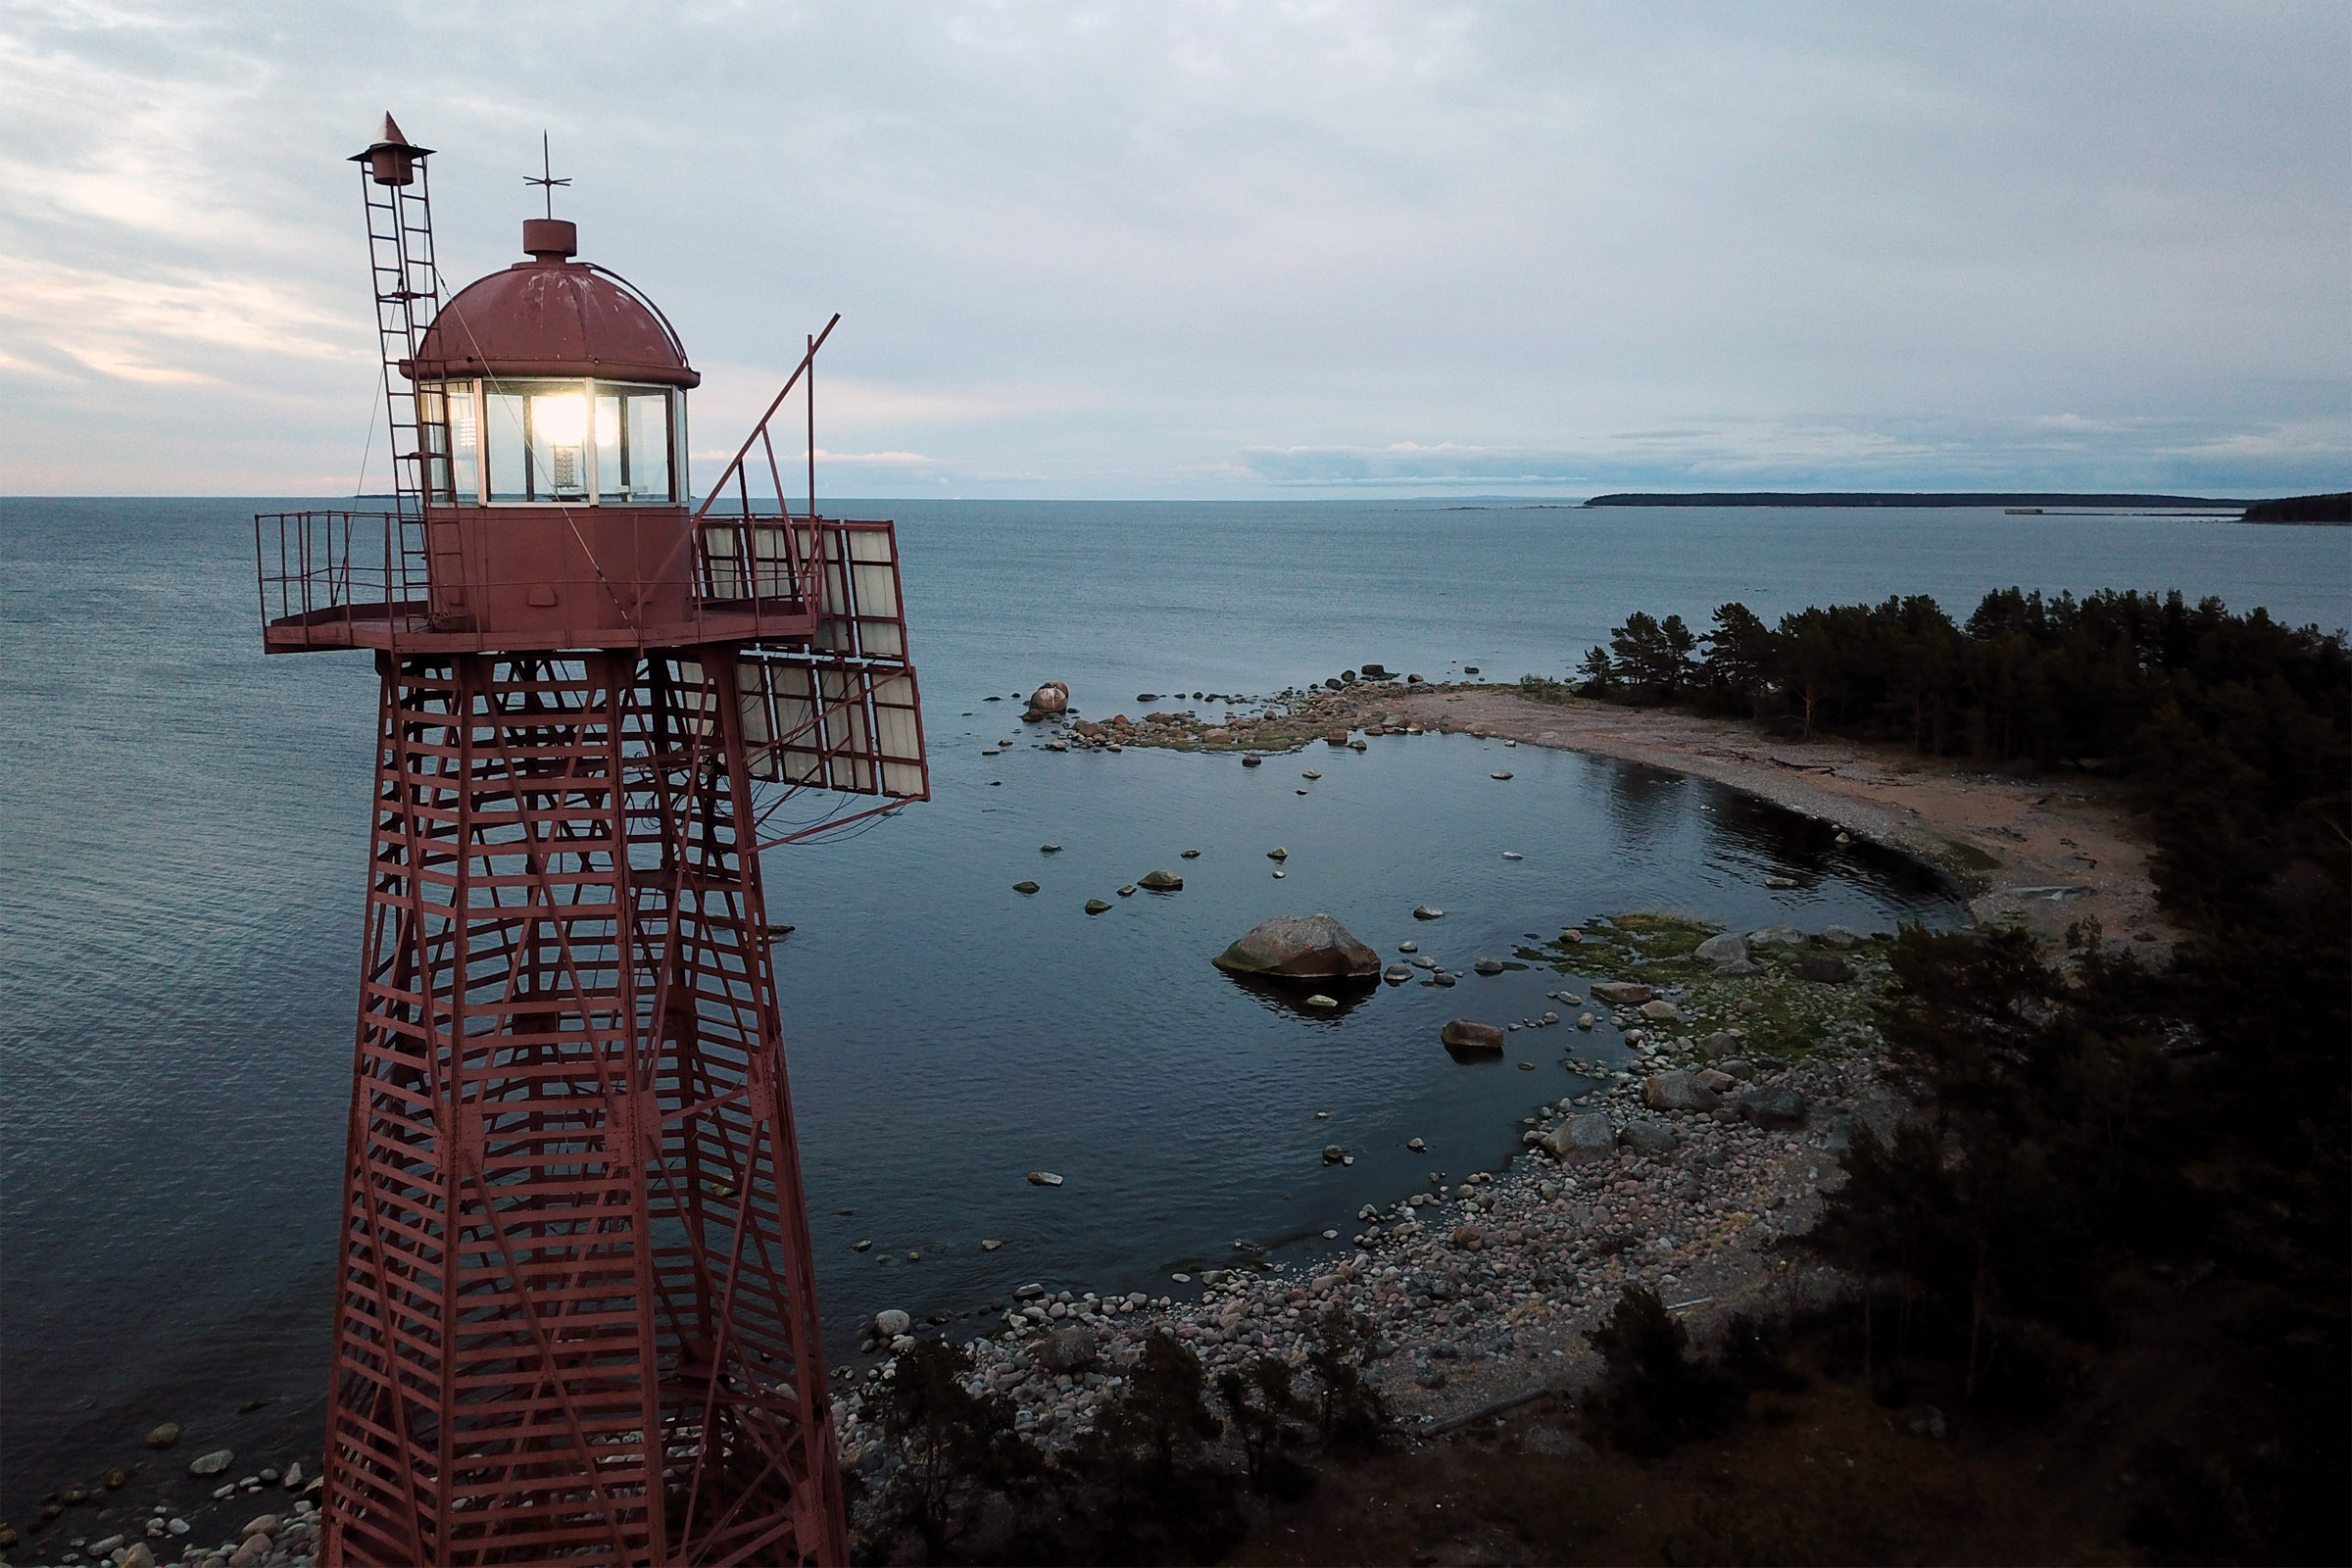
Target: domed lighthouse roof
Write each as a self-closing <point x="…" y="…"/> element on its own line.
<point x="552" y="316"/>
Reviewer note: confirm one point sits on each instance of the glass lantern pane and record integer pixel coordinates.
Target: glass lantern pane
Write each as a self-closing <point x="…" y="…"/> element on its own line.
<point x="648" y="474"/>
<point x="465" y="445"/>
<point x="607" y="446"/>
<point x="503" y="431"/>
<point x="558" y="431"/>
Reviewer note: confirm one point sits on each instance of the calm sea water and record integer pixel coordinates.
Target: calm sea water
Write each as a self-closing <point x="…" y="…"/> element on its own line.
<point x="180" y="909"/>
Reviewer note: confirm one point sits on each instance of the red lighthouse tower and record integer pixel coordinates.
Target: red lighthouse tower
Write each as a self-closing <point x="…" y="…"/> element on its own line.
<point x="577" y="1315"/>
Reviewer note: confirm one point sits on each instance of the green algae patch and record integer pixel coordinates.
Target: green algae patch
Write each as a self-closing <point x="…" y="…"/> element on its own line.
<point x="1787" y="1017"/>
<point x="1652" y="947"/>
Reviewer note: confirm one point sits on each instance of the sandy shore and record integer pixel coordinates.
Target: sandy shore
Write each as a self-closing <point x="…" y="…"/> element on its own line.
<point x="2009" y="841"/>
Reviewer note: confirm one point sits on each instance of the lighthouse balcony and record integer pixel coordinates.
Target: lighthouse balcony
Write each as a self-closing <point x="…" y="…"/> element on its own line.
<point x="386" y="580"/>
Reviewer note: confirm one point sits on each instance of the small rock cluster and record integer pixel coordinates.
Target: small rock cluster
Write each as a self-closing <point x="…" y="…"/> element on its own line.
<point x="284" y="1537"/>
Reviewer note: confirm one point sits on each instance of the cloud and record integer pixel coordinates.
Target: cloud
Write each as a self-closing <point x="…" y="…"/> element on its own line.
<point x="1205" y="249"/>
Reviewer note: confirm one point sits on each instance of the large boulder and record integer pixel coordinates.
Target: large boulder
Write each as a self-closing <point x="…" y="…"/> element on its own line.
<point x="1300" y="946"/>
<point x="1728" y="948"/>
<point x="1651" y="1137"/>
<point x="1584" y="1137"/>
<point x="1071" y="1349"/>
<point x="1661" y="1013"/>
<point x="1050" y="700"/>
<point x="1773" y="1105"/>
<point x="1621" y="993"/>
<point x="1161" y="881"/>
<point x="1677" y="1091"/>
<point x="1825" y="970"/>
<point x="1777" y="936"/>
<point x="1464" y="1034"/>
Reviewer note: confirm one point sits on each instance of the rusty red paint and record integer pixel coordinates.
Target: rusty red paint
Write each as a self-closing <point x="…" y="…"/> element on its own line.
<point x="577" y="1310"/>
<point x="551" y="316"/>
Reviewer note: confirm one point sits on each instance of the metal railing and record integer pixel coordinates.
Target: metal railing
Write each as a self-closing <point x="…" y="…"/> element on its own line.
<point x="323" y="568"/>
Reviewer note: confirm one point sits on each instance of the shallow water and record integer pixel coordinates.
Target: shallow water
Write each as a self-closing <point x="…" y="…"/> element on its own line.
<point x="179" y="916"/>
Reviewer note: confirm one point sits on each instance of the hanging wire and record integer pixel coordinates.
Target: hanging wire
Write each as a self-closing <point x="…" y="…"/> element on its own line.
<point x="367" y="450"/>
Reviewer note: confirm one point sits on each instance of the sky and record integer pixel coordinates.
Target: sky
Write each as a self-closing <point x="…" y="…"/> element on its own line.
<point x="1229" y="250"/>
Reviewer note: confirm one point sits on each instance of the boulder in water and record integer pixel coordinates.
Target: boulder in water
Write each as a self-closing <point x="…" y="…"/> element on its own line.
<point x="1464" y="1034"/>
<point x="1050" y="700"/>
<point x="1160" y="882"/>
<point x="1300" y="946"/>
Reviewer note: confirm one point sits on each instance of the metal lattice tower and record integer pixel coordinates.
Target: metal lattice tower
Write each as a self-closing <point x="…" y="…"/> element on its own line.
<point x="577" y="1312"/>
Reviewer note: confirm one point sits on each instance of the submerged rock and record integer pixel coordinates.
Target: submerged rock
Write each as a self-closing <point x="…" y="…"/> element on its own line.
<point x="1423" y="911"/>
<point x="163" y="1436"/>
<point x="1300" y="946"/>
<point x="1095" y="905"/>
<point x="1488" y="966"/>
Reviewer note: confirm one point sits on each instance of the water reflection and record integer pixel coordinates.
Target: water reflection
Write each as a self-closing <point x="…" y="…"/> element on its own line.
<point x="1645" y="804"/>
<point x="1295" y="996"/>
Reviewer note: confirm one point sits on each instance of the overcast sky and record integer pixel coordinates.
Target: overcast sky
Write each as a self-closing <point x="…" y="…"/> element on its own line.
<point x="1175" y="249"/>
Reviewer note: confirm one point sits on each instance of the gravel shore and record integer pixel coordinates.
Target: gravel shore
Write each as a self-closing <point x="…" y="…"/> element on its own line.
<point x="1678" y="1174"/>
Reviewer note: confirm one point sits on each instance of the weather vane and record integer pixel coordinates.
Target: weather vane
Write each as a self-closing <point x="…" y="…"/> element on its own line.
<point x="547" y="180"/>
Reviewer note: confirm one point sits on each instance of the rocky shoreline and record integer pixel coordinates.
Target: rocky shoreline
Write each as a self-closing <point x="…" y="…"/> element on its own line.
<point x="2040" y="853"/>
<point x="1678" y="1171"/>
<point x="282" y="1533"/>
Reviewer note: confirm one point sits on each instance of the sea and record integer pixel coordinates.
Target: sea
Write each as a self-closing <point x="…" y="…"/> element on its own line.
<point x="181" y="889"/>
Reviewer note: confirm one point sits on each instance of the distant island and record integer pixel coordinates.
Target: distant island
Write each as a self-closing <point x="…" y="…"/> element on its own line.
<point x="1924" y="498"/>
<point x="2302" y="509"/>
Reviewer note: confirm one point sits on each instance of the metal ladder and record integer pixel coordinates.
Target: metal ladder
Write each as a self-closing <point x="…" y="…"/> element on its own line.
<point x="407" y="295"/>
